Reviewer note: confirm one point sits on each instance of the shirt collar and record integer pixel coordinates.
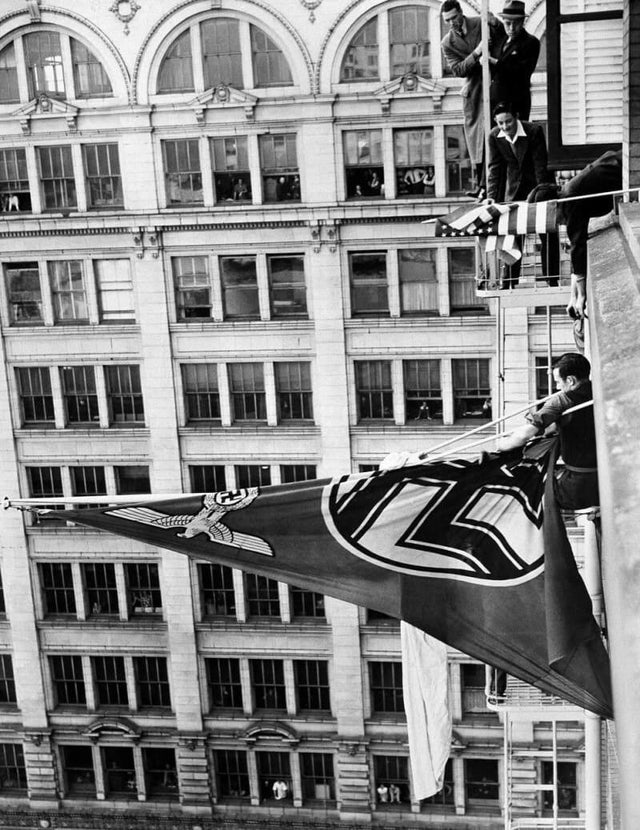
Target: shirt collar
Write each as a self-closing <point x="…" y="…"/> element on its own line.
<point x="520" y="133"/>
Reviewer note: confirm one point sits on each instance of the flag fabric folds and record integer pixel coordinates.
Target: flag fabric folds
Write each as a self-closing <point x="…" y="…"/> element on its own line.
<point x="465" y="551"/>
<point x="425" y="691"/>
<point x="501" y="223"/>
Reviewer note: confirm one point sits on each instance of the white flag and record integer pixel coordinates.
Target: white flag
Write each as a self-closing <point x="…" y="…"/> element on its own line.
<point x="426" y="702"/>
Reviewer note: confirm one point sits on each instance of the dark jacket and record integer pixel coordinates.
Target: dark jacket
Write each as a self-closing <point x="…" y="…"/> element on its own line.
<point x="512" y="175"/>
<point x="511" y="81"/>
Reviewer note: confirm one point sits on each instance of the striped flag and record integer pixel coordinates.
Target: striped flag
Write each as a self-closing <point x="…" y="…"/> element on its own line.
<point x="501" y="224"/>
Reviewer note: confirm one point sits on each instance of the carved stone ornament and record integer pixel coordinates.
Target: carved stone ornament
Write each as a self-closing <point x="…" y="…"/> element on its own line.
<point x="223" y="96"/>
<point x="410" y="84"/>
<point x="311" y="5"/>
<point x="125" y="11"/>
<point x="46" y="107"/>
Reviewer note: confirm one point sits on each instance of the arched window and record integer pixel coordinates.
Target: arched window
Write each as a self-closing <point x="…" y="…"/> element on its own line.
<point x="47" y="53"/>
<point x="231" y="51"/>
<point x="403" y="34"/>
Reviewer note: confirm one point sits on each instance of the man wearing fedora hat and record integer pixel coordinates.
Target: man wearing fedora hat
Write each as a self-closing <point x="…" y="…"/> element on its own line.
<point x="516" y="61"/>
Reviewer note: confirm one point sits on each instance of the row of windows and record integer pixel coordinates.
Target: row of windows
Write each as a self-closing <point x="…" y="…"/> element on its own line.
<point x="393" y="283"/>
<point x="274" y="393"/>
<point x="125" y="772"/>
<point x="231" y="170"/>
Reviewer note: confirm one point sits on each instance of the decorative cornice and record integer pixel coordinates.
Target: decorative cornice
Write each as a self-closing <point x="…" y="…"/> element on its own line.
<point x="311" y="6"/>
<point x="410" y="84"/>
<point x="223" y="96"/>
<point x="109" y="726"/>
<point x="125" y="11"/>
<point x="46" y="107"/>
<point x="269" y="730"/>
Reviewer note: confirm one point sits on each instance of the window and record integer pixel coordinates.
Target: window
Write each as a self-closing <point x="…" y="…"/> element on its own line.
<point x="23" y="293"/>
<point x="217" y="596"/>
<point x="418" y="277"/>
<point x="369" y="293"/>
<point x="274" y="767"/>
<point x="79" y="395"/>
<point x="270" y="67"/>
<point x="221" y="57"/>
<point x="67" y="677"/>
<point x="460" y="173"/>
<point x="471" y="389"/>
<point x="9" y="90"/>
<point x="312" y="685"/>
<point x="232" y="775"/>
<point x="102" y="171"/>
<point x="409" y="41"/>
<point x="124" y="394"/>
<point x="68" y="293"/>
<point x="13" y="775"/>
<point x="443" y="798"/>
<point x="364" y="169"/>
<point x="132" y="479"/>
<point x="183" y="178"/>
<point x="90" y="79"/>
<point x="253" y="475"/>
<point x="207" y="478"/>
<point x="115" y="290"/>
<point x="176" y="72"/>
<point x="56" y="582"/>
<point x="119" y="772"/>
<point x="43" y="57"/>
<point x="56" y="175"/>
<point x="373" y="389"/>
<point x="110" y="681"/>
<point x="279" y="165"/>
<point x="422" y="390"/>
<point x="360" y="62"/>
<point x="202" y="398"/>
<point x="77" y="771"/>
<point x="462" y="282"/>
<point x="267" y="680"/>
<point x="566" y="785"/>
<point x="545" y="384"/>
<point x="239" y="288"/>
<point x="413" y="156"/>
<point x="14" y="178"/>
<point x="223" y="683"/>
<point x="318" y="777"/>
<point x="191" y="279"/>
<point x="262" y="596"/>
<point x="391" y="776"/>
<point x="481" y="779"/>
<point x="248" y="401"/>
<point x="586" y="71"/>
<point x="297" y="472"/>
<point x="293" y="388"/>
<point x="7" y="681"/>
<point x="474" y="700"/>
<point x="221" y="53"/>
<point x="385" y="682"/>
<point x="152" y="682"/>
<point x="287" y="287"/>
<point x="36" y="399"/>
<point x="101" y="589"/>
<point x="160" y="774"/>
<point x="231" y="174"/>
<point x="306" y="603"/>
<point x="143" y="588"/>
<point x="43" y="482"/>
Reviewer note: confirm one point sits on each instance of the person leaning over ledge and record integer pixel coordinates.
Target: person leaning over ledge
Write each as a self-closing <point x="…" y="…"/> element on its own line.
<point x="576" y="484"/>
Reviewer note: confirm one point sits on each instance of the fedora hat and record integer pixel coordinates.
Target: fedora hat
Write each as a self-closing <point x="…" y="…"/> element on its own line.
<point x="513" y="9"/>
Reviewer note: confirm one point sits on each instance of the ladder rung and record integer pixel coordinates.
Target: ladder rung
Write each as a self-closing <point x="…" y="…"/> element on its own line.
<point x="520" y="788"/>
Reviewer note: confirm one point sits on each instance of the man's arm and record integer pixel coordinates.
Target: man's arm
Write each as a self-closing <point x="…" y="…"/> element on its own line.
<point x="518" y="438"/>
<point x="461" y="65"/>
<point x="539" y="153"/>
<point x="496" y="165"/>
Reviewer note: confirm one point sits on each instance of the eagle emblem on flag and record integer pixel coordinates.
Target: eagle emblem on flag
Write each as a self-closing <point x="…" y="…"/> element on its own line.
<point x="437" y="520"/>
<point x="208" y="520"/>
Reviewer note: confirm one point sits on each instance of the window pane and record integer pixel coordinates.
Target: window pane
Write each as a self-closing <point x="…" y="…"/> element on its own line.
<point x="12" y="769"/>
<point x="267" y="678"/>
<point x="246" y="381"/>
<point x="253" y="475"/>
<point x="119" y="772"/>
<point x="101" y="589"/>
<point x="373" y="389"/>
<point x="200" y="384"/>
<point x="279" y="165"/>
<point x="471" y="389"/>
<point x="288" y="291"/>
<point x="418" y="281"/>
<point x="231" y="174"/>
<point x="15" y="195"/>
<point x="90" y="77"/>
<point x="143" y="588"/>
<point x="459" y="170"/>
<point x="56" y="175"/>
<point x="43" y="57"/>
<point x="152" y="682"/>
<point x="481" y="779"/>
<point x="369" y="293"/>
<point x="221" y="56"/>
<point x="318" y="782"/>
<point x="386" y="687"/>
<point x="232" y="776"/>
<point x="9" y="91"/>
<point x="462" y="282"/>
<point x="78" y="772"/>
<point x="183" y="178"/>
<point x="115" y="290"/>
<point x="360" y="62"/>
<point x="56" y="581"/>
<point x="223" y="682"/>
<point x="23" y="293"/>
<point x="422" y="390"/>
<point x="413" y="157"/>
<point x="239" y="288"/>
<point x="160" y="774"/>
<point x="293" y="390"/>
<point x="312" y="685"/>
<point x="270" y="67"/>
<point x="102" y="171"/>
<point x="68" y="293"/>
<point x="36" y="399"/>
<point x="68" y="680"/>
<point x="263" y="597"/>
<point x="207" y="478"/>
<point x="364" y="170"/>
<point x="191" y="279"/>
<point x="391" y="774"/>
<point x="132" y="479"/>
<point x="409" y="41"/>
<point x="217" y="594"/>
<point x="176" y="70"/>
<point x="124" y="395"/>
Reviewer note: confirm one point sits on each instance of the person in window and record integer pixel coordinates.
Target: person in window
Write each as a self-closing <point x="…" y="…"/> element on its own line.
<point x="374" y="184"/>
<point x="516" y="61"/>
<point x="429" y="182"/>
<point x="240" y="190"/>
<point x="394" y="793"/>
<point x="462" y="51"/>
<point x="280" y="789"/>
<point x="517" y="163"/>
<point x="383" y="793"/>
<point x="575" y="483"/>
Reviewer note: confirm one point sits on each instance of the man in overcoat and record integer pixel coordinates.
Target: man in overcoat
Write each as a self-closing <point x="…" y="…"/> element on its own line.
<point x="516" y="61"/>
<point x="462" y="51"/>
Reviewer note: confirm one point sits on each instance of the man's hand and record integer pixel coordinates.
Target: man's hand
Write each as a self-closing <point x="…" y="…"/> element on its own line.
<point x="578" y="300"/>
